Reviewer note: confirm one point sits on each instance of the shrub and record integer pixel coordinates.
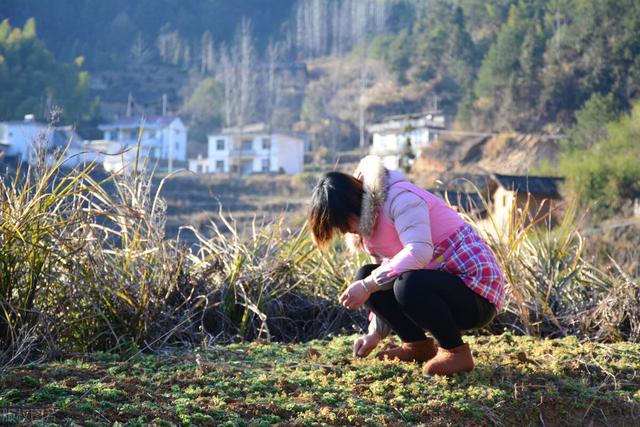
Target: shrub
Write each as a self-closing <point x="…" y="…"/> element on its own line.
<point x="552" y="290"/>
<point x="600" y="164"/>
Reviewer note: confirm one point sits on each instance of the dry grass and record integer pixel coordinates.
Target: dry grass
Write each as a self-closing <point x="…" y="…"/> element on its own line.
<point x="102" y="256"/>
<point x="85" y="265"/>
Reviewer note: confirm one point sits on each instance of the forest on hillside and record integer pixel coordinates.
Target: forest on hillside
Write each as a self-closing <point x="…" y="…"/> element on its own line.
<point x="497" y="65"/>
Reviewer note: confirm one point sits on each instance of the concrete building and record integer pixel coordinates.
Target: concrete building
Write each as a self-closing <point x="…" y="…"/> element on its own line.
<point x="514" y="193"/>
<point x="399" y="137"/>
<point x="254" y="149"/>
<point x="19" y="138"/>
<point x="162" y="138"/>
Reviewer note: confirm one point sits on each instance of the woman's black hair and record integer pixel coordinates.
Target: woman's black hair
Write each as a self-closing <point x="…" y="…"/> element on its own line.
<point x="336" y="199"/>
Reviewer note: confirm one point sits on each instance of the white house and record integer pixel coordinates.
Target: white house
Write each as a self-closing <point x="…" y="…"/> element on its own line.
<point x="19" y="138"/>
<point x="78" y="151"/>
<point x="199" y="165"/>
<point x="255" y="149"/>
<point x="163" y="138"/>
<point x="392" y="137"/>
<point x="110" y="154"/>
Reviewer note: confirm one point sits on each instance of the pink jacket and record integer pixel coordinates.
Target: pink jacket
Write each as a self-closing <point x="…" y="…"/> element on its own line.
<point x="398" y="227"/>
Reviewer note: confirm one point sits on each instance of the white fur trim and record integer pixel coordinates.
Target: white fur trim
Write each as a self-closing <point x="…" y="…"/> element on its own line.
<point x="374" y="177"/>
<point x="353" y="242"/>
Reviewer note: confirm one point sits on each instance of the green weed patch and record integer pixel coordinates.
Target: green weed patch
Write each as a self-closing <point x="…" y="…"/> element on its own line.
<point x="517" y="381"/>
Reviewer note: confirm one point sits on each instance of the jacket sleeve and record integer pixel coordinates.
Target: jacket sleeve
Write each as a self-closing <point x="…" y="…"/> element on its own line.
<point x="378" y="326"/>
<point x="410" y="216"/>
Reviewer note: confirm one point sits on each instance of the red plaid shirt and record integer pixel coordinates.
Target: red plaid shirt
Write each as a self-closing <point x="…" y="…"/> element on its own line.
<point x="467" y="256"/>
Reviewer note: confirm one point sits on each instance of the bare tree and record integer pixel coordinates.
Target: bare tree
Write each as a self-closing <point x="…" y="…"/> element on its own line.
<point x="186" y="54"/>
<point x="243" y="56"/>
<point x="336" y="45"/>
<point x="171" y="46"/>
<point x="273" y="81"/>
<point x="558" y="10"/>
<point x="334" y="26"/>
<point x="364" y="77"/>
<point x="139" y="49"/>
<point x="207" y="56"/>
<point x="225" y="73"/>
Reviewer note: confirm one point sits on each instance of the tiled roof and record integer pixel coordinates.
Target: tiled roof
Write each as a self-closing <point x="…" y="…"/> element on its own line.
<point x="471" y="203"/>
<point x="149" y="122"/>
<point x="254" y="129"/>
<point x="544" y="185"/>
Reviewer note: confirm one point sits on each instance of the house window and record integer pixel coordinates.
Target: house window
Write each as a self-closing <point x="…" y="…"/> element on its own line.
<point x="266" y="165"/>
<point x="246" y="167"/>
<point x="220" y="144"/>
<point x="266" y="143"/>
<point x="246" y="145"/>
<point x="219" y="165"/>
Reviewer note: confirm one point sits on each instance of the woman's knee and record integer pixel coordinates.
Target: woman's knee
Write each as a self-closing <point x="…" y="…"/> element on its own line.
<point x="411" y="289"/>
<point x="379" y="300"/>
<point x="365" y="271"/>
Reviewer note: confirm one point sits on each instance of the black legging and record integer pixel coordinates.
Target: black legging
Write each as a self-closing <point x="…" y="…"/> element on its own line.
<point x="434" y="300"/>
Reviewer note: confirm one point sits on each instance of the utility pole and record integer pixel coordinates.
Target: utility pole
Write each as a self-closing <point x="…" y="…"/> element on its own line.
<point x="361" y="107"/>
<point x="171" y="131"/>
<point x="129" y="102"/>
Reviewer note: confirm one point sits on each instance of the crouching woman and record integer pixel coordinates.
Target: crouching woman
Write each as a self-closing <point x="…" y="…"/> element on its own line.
<point x="432" y="272"/>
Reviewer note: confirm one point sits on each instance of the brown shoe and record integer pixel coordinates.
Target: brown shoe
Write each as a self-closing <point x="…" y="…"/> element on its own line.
<point x="449" y="362"/>
<point x="419" y="351"/>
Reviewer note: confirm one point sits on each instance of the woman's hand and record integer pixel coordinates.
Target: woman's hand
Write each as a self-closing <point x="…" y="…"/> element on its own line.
<point x="356" y="294"/>
<point x="363" y="345"/>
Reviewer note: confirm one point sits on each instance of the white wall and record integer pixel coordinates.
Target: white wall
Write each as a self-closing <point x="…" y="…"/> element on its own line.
<point x="285" y="152"/>
<point x="125" y="160"/>
<point x="175" y="135"/>
<point x="390" y="142"/>
<point x="21" y="138"/>
<point x="290" y="154"/>
<point x="215" y="155"/>
<point x="199" y="165"/>
<point x="262" y="153"/>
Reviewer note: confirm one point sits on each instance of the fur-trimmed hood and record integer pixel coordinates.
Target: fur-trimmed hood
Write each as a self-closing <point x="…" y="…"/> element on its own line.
<point x="374" y="177"/>
<point x="376" y="180"/>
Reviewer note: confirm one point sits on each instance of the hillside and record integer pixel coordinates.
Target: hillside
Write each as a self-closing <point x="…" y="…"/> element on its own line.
<point x="506" y="153"/>
<point x="517" y="381"/>
<point x="494" y="66"/>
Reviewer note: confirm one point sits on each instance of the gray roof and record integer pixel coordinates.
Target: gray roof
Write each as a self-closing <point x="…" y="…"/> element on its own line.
<point x="137" y="121"/>
<point x="543" y="185"/>
<point x="470" y="203"/>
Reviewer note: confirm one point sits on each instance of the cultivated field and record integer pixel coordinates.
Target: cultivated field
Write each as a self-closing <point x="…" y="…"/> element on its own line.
<point x="517" y="381"/>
